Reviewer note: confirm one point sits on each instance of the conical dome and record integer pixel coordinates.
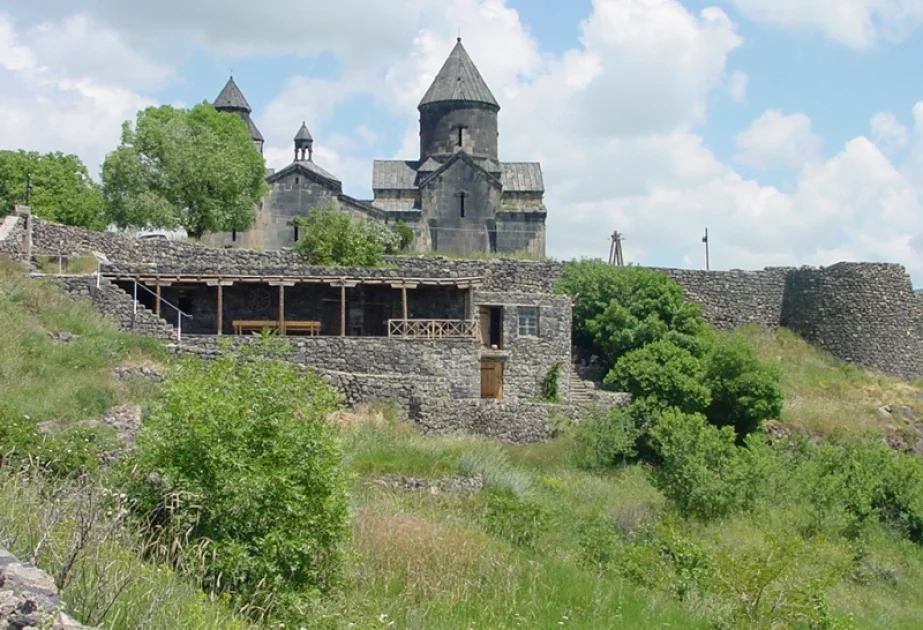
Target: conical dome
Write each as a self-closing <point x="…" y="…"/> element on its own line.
<point x="459" y="81"/>
<point x="232" y="99"/>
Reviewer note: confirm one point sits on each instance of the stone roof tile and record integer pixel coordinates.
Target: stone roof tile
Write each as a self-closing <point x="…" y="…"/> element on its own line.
<point x="459" y="80"/>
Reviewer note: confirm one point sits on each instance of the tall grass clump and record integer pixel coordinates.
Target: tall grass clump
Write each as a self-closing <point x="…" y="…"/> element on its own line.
<point x="76" y="530"/>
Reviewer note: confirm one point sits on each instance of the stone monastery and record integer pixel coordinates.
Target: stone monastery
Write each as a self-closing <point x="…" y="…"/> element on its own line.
<point x="457" y="196"/>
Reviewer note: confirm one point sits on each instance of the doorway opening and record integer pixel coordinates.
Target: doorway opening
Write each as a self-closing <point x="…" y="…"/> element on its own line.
<point x="491" y="327"/>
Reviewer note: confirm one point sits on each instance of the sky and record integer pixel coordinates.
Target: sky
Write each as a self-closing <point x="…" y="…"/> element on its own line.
<point x="791" y="129"/>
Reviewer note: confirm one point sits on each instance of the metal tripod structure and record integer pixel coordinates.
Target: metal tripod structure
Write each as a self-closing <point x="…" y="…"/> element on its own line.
<point x="615" y="250"/>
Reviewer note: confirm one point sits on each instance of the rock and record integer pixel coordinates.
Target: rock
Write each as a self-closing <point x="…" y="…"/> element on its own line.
<point x="126" y="420"/>
<point x="884" y="412"/>
<point x="29" y="598"/>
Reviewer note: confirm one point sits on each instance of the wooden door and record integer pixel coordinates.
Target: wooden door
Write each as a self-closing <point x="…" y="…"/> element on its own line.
<point x="492" y="379"/>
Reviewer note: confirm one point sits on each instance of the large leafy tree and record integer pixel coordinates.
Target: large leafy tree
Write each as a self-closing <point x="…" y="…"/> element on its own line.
<point x="196" y="169"/>
<point x="62" y="189"/>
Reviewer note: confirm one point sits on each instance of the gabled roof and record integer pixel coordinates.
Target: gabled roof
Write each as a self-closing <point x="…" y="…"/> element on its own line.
<point x="310" y="169"/>
<point x="461" y="156"/>
<point x="401" y="175"/>
<point x="303" y="133"/>
<point x="231" y="98"/>
<point x="459" y="80"/>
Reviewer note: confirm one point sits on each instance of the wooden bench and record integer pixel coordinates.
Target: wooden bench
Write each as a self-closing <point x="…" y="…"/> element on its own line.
<point x="242" y="326"/>
<point x="309" y="327"/>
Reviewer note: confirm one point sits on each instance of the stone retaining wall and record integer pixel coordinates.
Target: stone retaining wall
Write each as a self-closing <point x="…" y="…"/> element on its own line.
<point x="117" y="305"/>
<point x="516" y="422"/>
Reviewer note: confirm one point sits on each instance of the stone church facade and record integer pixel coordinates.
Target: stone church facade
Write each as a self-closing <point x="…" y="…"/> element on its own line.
<point x="457" y="196"/>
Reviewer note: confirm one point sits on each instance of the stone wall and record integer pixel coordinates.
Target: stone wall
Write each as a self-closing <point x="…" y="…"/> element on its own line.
<point x="530" y="357"/>
<point x="519" y="422"/>
<point x="734" y="298"/>
<point x="117" y="305"/>
<point x="29" y="598"/>
<point x="864" y="313"/>
<point x="370" y="368"/>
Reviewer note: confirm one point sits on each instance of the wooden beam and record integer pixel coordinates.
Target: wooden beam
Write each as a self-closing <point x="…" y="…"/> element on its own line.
<point x="157" y="305"/>
<point x="404" y="301"/>
<point x="282" y="309"/>
<point x="220" y="309"/>
<point x="343" y="310"/>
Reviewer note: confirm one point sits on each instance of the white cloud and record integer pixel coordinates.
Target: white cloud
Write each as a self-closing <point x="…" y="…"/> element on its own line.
<point x="776" y="140"/>
<point x="46" y="109"/>
<point x="888" y="133"/>
<point x="855" y="23"/>
<point x="355" y="29"/>
<point x="737" y="86"/>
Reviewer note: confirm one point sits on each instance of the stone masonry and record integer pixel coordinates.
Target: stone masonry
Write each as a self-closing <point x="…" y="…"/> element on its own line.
<point x="864" y="313"/>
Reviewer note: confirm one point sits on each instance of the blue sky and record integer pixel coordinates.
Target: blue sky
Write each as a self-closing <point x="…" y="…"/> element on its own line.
<point x="791" y="129"/>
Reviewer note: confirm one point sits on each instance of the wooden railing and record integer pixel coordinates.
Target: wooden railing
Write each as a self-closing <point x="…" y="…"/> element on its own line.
<point x="432" y="328"/>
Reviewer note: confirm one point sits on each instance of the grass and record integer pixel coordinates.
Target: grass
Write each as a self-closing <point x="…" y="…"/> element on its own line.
<point x="45" y="378"/>
<point x="823" y="394"/>
<point x="72" y="532"/>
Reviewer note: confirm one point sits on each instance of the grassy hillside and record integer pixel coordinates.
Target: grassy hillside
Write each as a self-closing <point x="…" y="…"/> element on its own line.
<point x="544" y="544"/>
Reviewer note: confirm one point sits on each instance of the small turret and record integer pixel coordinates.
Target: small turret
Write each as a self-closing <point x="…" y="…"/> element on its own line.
<point x="304" y="145"/>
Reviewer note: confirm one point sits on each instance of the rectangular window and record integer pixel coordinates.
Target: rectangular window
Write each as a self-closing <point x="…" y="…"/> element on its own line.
<point x="296" y="233"/>
<point x="528" y="321"/>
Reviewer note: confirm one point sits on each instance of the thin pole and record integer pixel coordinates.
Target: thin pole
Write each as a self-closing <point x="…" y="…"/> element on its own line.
<point x="342" y="310"/>
<point x="220" y="309"/>
<point x="157" y="307"/>
<point x="134" y="307"/>
<point x="705" y="240"/>
<point x="404" y="303"/>
<point x="281" y="309"/>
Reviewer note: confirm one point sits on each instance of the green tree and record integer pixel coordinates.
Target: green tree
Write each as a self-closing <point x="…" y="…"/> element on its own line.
<point x="744" y="390"/>
<point x="405" y="233"/>
<point x="62" y="189"/>
<point x="241" y="454"/>
<point x="196" y="169"/>
<point x="331" y="237"/>
<point x="663" y="374"/>
<point x="620" y="309"/>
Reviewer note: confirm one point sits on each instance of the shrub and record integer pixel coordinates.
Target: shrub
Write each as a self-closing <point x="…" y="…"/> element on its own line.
<point x="405" y="233"/>
<point x="620" y="309"/>
<point x="701" y="469"/>
<point x="744" y="390"/>
<point x="331" y="237"/>
<point x="605" y="437"/>
<point x="239" y="455"/>
<point x="550" y="382"/>
<point x="512" y="518"/>
<point x="663" y="373"/>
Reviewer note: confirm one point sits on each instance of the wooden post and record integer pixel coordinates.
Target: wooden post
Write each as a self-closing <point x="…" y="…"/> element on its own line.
<point x="281" y="309"/>
<point x="343" y="310"/>
<point x="157" y="305"/>
<point x="220" y="308"/>
<point x="404" y="302"/>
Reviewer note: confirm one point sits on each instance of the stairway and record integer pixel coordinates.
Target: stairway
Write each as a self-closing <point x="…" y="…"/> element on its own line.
<point x="581" y="390"/>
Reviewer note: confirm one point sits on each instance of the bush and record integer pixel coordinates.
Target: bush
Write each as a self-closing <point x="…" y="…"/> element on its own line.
<point x="620" y="309"/>
<point x="664" y="374"/>
<point x="240" y="456"/>
<point x="605" y="438"/>
<point x="744" y="390"/>
<point x="701" y="469"/>
<point x="514" y="519"/>
<point x="406" y="235"/>
<point x="331" y="237"/>
<point x="550" y="382"/>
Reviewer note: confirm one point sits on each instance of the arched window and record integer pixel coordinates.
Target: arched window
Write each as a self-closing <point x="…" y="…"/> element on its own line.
<point x="461" y="204"/>
<point x="461" y="136"/>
